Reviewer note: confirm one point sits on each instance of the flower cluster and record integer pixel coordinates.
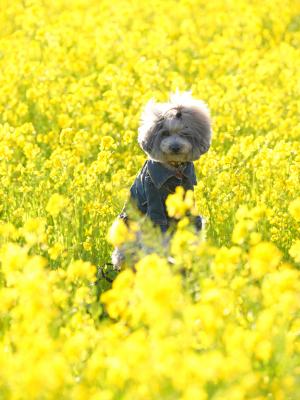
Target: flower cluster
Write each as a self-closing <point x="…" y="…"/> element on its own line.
<point x="76" y="75"/>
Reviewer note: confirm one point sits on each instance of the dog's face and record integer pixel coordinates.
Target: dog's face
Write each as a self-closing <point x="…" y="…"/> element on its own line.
<point x="177" y="131"/>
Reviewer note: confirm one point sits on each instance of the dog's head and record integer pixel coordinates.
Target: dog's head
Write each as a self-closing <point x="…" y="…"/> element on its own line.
<point x="177" y="131"/>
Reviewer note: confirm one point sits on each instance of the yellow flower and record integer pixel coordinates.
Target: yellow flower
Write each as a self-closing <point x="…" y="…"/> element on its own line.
<point x="34" y="230"/>
<point x="55" y="251"/>
<point x="119" y="233"/>
<point x="263" y="350"/>
<point x="87" y="245"/>
<point x="116" y="299"/>
<point x="8" y="298"/>
<point x="56" y="204"/>
<point x="264" y="258"/>
<point x="294" y="209"/>
<point x="241" y="231"/>
<point x="66" y="136"/>
<point x="7" y="230"/>
<point x="107" y="142"/>
<point x="182" y="244"/>
<point x="295" y="251"/>
<point x="79" y="270"/>
<point x="242" y="212"/>
<point x="64" y="120"/>
<point x="226" y="261"/>
<point x="180" y="202"/>
<point x="255" y="238"/>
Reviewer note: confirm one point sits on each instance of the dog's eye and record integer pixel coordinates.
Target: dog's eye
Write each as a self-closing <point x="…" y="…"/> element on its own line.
<point x="185" y="134"/>
<point x="164" y="133"/>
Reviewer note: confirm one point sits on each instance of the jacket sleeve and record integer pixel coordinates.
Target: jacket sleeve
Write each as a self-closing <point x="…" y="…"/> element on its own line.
<point x="155" y="206"/>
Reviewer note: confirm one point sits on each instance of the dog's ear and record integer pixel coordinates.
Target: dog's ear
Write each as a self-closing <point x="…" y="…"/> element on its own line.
<point x="149" y="123"/>
<point x="202" y="125"/>
<point x="152" y="112"/>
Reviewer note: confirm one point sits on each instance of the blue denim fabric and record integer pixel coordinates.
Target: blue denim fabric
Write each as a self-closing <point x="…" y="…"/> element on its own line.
<point x="154" y="183"/>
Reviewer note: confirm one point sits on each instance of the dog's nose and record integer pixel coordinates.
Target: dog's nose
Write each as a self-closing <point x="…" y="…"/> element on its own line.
<point x="175" y="147"/>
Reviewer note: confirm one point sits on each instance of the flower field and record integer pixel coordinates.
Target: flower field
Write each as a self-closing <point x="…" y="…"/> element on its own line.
<point x="221" y="320"/>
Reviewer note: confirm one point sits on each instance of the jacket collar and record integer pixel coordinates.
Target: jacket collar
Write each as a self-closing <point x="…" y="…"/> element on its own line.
<point x="159" y="173"/>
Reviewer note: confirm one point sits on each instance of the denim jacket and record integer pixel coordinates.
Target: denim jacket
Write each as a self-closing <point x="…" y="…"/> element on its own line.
<point x="154" y="183"/>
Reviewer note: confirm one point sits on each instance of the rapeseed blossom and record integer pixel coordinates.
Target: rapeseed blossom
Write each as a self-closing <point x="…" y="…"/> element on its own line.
<point x="294" y="209"/>
<point x="56" y="204"/>
<point x="295" y="251"/>
<point x="223" y="306"/>
<point x="178" y="203"/>
<point x="119" y="233"/>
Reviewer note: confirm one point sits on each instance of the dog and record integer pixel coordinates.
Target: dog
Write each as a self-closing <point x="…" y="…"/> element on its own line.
<point x="173" y="135"/>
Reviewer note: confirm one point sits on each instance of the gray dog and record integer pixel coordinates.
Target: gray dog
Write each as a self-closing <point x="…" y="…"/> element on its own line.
<point x="173" y="135"/>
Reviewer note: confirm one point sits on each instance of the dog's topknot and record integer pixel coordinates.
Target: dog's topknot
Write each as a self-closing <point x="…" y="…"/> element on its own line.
<point x="183" y="114"/>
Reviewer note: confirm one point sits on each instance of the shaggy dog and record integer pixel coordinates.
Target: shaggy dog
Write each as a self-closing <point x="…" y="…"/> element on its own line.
<point x="173" y="135"/>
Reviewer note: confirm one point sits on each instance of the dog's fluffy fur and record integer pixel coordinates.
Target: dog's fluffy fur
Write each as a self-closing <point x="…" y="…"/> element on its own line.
<point x="174" y="134"/>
